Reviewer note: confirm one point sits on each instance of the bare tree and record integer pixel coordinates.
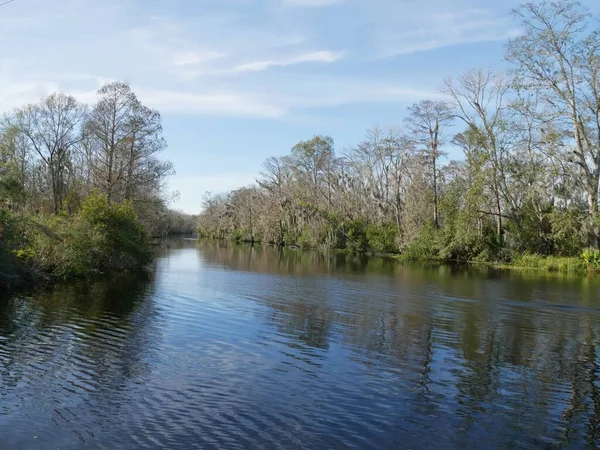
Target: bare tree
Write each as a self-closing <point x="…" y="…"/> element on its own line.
<point x="52" y="127"/>
<point x="427" y="122"/>
<point x="480" y="100"/>
<point x="559" y="57"/>
<point x="110" y="130"/>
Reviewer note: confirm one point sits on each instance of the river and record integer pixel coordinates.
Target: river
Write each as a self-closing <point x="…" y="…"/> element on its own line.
<point x="225" y="346"/>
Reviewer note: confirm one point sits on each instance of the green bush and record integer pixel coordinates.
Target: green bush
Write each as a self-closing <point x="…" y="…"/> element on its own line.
<point x="549" y="263"/>
<point x="100" y="238"/>
<point x="591" y="258"/>
<point x="356" y="232"/>
<point x="306" y="239"/>
<point x="11" y="271"/>
<point x="425" y="246"/>
<point x="567" y="233"/>
<point x="383" y="239"/>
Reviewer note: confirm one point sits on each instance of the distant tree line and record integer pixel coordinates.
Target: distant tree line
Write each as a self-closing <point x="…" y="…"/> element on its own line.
<point x="527" y="181"/>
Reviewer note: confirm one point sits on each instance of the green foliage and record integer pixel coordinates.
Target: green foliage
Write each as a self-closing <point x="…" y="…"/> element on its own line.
<point x="306" y="239"/>
<point x="425" y="246"/>
<point x="101" y="238"/>
<point x="11" y="271"/>
<point x="357" y="240"/>
<point x="567" y="232"/>
<point x="549" y="263"/>
<point x="124" y="241"/>
<point x="383" y="239"/>
<point x="591" y="258"/>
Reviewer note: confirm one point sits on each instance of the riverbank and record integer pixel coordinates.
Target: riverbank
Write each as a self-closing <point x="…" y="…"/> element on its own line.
<point x="100" y="238"/>
<point x="532" y="262"/>
<point x="587" y="263"/>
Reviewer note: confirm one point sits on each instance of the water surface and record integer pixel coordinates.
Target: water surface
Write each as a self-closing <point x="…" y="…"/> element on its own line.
<point x="230" y="347"/>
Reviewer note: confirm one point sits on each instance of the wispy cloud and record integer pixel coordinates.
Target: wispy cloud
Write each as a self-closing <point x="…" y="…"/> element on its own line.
<point x="191" y="58"/>
<point x="423" y="32"/>
<point x="313" y="57"/>
<point x="217" y="63"/>
<point x="312" y="3"/>
<point x="215" y="103"/>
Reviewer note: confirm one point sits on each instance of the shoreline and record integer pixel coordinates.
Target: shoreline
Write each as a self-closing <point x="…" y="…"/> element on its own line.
<point x="524" y="262"/>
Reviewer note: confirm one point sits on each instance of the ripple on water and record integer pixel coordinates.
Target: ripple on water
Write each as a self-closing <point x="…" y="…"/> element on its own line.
<point x="230" y="348"/>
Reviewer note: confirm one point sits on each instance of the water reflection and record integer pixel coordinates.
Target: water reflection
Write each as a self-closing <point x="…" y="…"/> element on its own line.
<point x="228" y="346"/>
<point x="69" y="348"/>
<point x="511" y="355"/>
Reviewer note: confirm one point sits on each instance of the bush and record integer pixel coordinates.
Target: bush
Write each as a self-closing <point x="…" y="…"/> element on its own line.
<point x="356" y="232"/>
<point x="591" y="258"/>
<point x="100" y="238"/>
<point x="425" y="246"/>
<point x="383" y="239"/>
<point x="306" y="239"/>
<point x="11" y="271"/>
<point x="549" y="263"/>
<point x="567" y="233"/>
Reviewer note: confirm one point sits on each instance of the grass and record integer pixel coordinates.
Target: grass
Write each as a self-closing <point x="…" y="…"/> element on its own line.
<point x="531" y="261"/>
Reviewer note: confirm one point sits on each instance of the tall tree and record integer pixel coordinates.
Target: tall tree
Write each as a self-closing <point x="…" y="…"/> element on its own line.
<point x="110" y="130"/>
<point x="144" y="171"/>
<point x="52" y="128"/>
<point x="122" y="141"/>
<point x="558" y="56"/>
<point x="427" y="122"/>
<point x="314" y="161"/>
<point x="480" y="98"/>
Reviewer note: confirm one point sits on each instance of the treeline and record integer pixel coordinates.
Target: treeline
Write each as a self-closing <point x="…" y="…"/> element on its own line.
<point x="82" y="187"/>
<point x="527" y="181"/>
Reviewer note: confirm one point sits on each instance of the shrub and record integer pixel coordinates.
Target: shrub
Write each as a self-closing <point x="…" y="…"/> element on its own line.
<point x="425" y="246"/>
<point x="356" y="232"/>
<point x="100" y="238"/>
<point x="383" y="239"/>
<point x="10" y="269"/>
<point x="591" y="258"/>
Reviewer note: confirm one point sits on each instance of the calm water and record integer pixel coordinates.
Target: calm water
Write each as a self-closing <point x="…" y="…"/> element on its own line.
<point x="227" y="347"/>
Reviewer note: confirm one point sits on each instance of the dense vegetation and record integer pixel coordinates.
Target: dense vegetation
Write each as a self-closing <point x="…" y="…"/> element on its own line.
<point x="82" y="187"/>
<point x="526" y="185"/>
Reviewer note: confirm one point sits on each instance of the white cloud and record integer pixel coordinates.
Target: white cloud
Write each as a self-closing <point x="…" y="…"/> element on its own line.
<point x="313" y="3"/>
<point x="190" y="57"/>
<point x="208" y="64"/>
<point x="313" y="57"/>
<point x="423" y="30"/>
<point x="225" y="103"/>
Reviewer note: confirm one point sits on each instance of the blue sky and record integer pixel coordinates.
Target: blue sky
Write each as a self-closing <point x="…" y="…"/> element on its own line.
<point x="240" y="80"/>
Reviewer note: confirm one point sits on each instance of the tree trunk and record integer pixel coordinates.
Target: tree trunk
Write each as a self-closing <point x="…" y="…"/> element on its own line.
<point x="593" y="213"/>
<point x="53" y="182"/>
<point x="498" y="218"/>
<point x="128" y="186"/>
<point x="436" y="220"/>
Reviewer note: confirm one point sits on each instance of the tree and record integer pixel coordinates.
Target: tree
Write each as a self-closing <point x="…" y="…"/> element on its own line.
<point x="427" y="122"/>
<point x="378" y="172"/>
<point x="144" y="171"/>
<point x="314" y="161"/>
<point x="122" y="140"/>
<point x="274" y="180"/>
<point x="14" y="155"/>
<point x="480" y="101"/>
<point x="558" y="56"/>
<point x="109" y="128"/>
<point x="52" y="128"/>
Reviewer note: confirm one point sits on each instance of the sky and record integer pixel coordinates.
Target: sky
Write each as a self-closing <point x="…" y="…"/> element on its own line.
<point x="237" y="81"/>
